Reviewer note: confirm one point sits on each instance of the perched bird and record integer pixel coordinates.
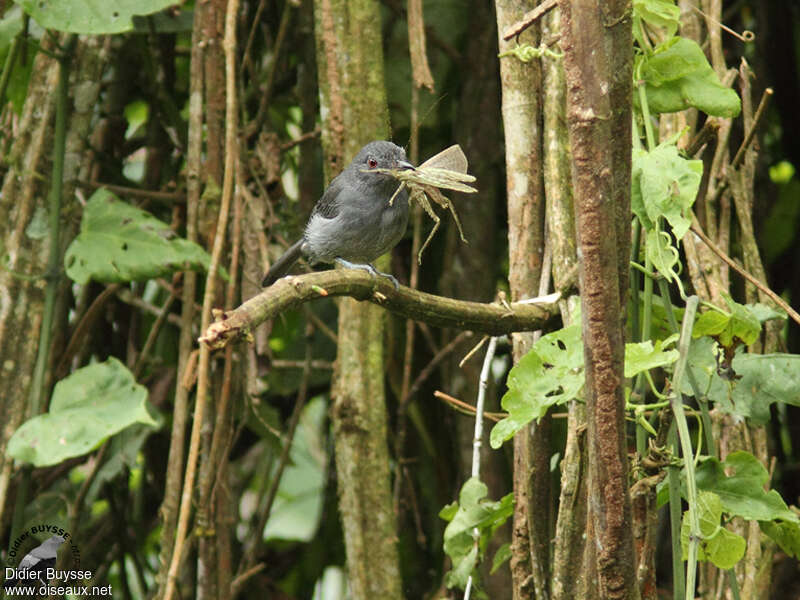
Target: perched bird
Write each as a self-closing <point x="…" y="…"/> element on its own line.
<point x="34" y="564"/>
<point x="353" y="222"/>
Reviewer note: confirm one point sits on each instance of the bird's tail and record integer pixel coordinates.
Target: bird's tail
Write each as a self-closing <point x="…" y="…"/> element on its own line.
<point x="281" y="266"/>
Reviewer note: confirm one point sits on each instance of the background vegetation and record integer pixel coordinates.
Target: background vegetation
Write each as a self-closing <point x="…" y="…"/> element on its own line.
<point x="155" y="163"/>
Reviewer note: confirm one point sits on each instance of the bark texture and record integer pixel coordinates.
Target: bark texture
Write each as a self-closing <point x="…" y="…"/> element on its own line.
<point x="521" y="90"/>
<point x="590" y="47"/>
<point x="354" y="109"/>
<point x="23" y="195"/>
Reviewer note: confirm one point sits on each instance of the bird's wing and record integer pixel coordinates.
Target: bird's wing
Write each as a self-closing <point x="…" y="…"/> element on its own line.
<point x="328" y="205"/>
<point x="30" y="560"/>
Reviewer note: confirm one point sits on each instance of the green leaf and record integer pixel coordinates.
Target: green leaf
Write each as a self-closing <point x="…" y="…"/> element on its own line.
<point x="136" y="113"/>
<point x="765" y="313"/>
<point x="718" y="545"/>
<point x="677" y="76"/>
<point x="473" y="511"/>
<point x="742" y="494"/>
<point x="297" y="511"/>
<point x="658" y="13"/>
<point x="786" y="535"/>
<point x="664" y="184"/>
<point x="645" y="356"/>
<point x="87" y="407"/>
<point x="500" y="557"/>
<point x="762" y="380"/>
<point x="120" y="243"/>
<point x="10" y="27"/>
<point x="741" y="326"/>
<point x="661" y="252"/>
<point x="90" y="16"/>
<point x="550" y="373"/>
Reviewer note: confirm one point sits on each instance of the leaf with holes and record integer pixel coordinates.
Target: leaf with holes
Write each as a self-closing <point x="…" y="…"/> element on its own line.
<point x="119" y="242"/>
<point x="91" y="16"/>
<point x="551" y="373"/>
<point x="90" y="405"/>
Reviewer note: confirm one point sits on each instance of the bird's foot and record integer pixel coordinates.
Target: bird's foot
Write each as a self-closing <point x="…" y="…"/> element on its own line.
<point x="369" y="269"/>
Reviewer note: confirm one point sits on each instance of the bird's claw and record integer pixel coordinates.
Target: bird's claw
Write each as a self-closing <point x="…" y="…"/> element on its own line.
<point x="369" y="269"/>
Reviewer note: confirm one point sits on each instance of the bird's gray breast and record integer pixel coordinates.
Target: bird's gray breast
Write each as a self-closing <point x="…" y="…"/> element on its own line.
<point x="365" y="226"/>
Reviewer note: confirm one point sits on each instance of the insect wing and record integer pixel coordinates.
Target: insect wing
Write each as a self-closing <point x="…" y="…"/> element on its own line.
<point x="452" y="159"/>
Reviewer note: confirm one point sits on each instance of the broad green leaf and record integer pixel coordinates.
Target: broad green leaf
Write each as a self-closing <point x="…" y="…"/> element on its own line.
<point x="741" y="326"/>
<point x="765" y="313"/>
<point x="473" y="511"/>
<point x="664" y="184"/>
<point x="550" y="373"/>
<point x="87" y="407"/>
<point x="645" y="356"/>
<point x="786" y="535"/>
<point x="298" y="506"/>
<point x="765" y="378"/>
<point x="677" y="76"/>
<point x="90" y="16"/>
<point x="762" y="380"/>
<point x="119" y="243"/>
<point x="718" y="545"/>
<point x="742" y="494"/>
<point x="658" y="13"/>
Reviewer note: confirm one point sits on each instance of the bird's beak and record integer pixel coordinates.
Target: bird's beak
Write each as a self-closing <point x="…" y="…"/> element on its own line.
<point x="404" y="164"/>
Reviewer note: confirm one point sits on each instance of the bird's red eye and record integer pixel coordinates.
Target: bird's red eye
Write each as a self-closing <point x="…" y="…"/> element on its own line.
<point x="372" y="163"/>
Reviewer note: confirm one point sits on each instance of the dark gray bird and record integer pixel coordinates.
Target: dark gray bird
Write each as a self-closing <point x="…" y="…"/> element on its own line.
<point x="34" y="564"/>
<point x="353" y="223"/>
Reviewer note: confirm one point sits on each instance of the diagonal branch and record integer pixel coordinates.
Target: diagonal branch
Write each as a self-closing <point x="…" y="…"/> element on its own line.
<point x="289" y="292"/>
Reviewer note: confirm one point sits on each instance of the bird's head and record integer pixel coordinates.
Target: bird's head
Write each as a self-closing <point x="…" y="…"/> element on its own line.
<point x="380" y="155"/>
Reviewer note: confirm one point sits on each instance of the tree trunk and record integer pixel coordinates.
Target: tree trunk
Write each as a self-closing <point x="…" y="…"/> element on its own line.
<point x="521" y="86"/>
<point x="353" y="100"/>
<point x="593" y="64"/>
<point x="23" y="197"/>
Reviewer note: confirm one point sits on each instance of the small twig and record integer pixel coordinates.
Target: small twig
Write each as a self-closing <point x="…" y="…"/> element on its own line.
<point x="477" y="439"/>
<point x="87" y="483"/>
<point x="483" y="383"/>
<point x="472" y="352"/>
<point x="239" y="581"/>
<point x="746" y="36"/>
<point x="128" y="297"/>
<point x="152" y="336"/>
<point x="300" y="364"/>
<point x="529" y="19"/>
<point x="706" y="134"/>
<point x="310" y="135"/>
<point x="731" y="263"/>
<point x="87" y="320"/>
<point x="762" y="106"/>
<point x="438" y="358"/>
<point x="122" y="190"/>
<point x="466" y="408"/>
